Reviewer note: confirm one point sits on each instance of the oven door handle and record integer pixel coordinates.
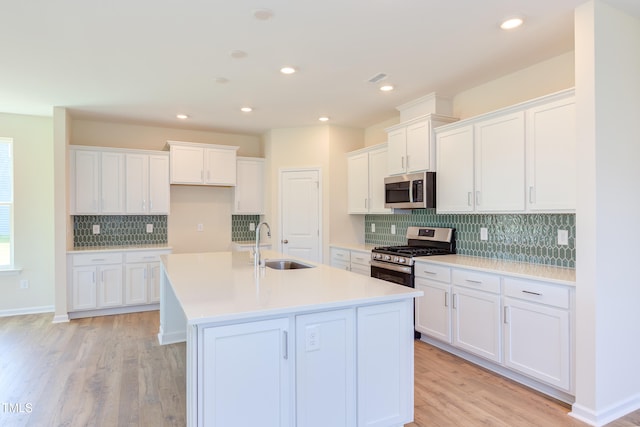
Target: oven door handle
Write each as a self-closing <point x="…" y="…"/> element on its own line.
<point x="393" y="267"/>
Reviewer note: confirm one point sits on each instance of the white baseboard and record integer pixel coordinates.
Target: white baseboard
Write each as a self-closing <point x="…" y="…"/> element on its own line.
<point x="165" y="338"/>
<point x="27" y="310"/>
<point x="60" y="318"/>
<point x="608" y="414"/>
<point x="114" y="310"/>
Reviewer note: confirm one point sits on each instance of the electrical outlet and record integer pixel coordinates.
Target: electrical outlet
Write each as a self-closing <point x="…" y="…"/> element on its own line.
<point x="252" y="226"/>
<point x="96" y="228"/>
<point x="563" y="237"/>
<point x="393" y="229"/>
<point x="373" y="228"/>
<point x="149" y="228"/>
<point x="200" y="227"/>
<point x="484" y="233"/>
<point x="312" y="335"/>
<point x="24" y="283"/>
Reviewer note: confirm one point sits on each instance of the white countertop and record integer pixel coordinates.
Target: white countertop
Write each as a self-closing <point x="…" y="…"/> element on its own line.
<point x="221" y="286"/>
<point x="548" y="273"/>
<point x="354" y="246"/>
<point x="127" y="248"/>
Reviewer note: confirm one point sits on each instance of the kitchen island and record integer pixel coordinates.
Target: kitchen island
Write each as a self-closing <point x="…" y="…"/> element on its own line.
<point x="306" y="347"/>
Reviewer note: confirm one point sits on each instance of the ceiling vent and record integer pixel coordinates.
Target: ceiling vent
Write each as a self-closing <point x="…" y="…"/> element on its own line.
<point x="377" y="78"/>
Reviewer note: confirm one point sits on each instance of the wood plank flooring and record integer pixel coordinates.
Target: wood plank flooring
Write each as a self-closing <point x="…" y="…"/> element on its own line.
<point x="111" y="371"/>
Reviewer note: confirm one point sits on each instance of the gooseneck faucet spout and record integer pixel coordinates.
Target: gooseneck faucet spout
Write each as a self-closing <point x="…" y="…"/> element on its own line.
<point x="257" y="259"/>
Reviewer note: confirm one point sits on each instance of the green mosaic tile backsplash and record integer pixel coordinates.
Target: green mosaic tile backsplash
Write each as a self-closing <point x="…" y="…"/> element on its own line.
<point x="119" y="230"/>
<point x="240" y="227"/>
<point x="525" y="238"/>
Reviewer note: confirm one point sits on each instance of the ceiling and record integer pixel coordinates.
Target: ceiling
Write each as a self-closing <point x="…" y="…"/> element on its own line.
<point x="144" y="61"/>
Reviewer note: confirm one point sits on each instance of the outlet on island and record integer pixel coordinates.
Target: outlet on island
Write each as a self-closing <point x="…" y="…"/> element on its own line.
<point x="200" y="227"/>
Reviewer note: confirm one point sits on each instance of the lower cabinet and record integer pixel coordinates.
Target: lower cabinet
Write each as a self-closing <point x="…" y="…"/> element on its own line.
<point x="336" y="368"/>
<point x="340" y="258"/>
<point x="433" y="310"/>
<point x="353" y="260"/>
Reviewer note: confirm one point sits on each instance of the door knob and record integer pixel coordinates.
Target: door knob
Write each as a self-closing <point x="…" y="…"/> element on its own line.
<point x="285" y="241"/>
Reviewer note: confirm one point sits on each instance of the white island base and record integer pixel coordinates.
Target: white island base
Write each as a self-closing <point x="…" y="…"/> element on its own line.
<point x="309" y="347"/>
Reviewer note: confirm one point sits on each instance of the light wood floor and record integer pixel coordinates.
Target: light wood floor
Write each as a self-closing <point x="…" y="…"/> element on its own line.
<point x="110" y="371"/>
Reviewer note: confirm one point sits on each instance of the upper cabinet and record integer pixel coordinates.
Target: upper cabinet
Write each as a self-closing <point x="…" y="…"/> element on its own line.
<point x="366" y="170"/>
<point x="112" y="181"/>
<point x="202" y="164"/>
<point x="519" y="159"/>
<point x="410" y="144"/>
<point x="248" y="196"/>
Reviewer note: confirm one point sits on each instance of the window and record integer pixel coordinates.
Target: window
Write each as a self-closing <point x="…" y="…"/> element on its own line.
<point x="6" y="203"/>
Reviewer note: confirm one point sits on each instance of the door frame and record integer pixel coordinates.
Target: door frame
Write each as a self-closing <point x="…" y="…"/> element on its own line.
<point x="318" y="169"/>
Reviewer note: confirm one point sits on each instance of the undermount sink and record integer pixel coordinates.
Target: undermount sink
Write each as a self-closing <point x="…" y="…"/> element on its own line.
<point x="286" y="264"/>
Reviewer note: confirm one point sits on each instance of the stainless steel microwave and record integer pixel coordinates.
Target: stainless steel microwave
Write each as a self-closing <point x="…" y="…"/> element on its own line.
<point x="411" y="191"/>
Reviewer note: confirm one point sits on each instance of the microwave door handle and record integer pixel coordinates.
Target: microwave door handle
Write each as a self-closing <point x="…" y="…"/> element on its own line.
<point x="410" y="191"/>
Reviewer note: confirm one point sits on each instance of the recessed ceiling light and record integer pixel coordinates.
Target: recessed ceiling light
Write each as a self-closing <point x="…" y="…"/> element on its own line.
<point x="386" y="88"/>
<point x="246" y="109"/>
<point x="287" y="70"/>
<point x="238" y="54"/>
<point x="323" y="119"/>
<point x="221" y="80"/>
<point x="263" y="14"/>
<point x="511" y="23"/>
<point x="182" y="116"/>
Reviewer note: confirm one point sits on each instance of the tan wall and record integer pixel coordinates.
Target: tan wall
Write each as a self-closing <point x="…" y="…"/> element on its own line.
<point x="190" y="205"/>
<point x="374" y="135"/>
<point x="33" y="214"/>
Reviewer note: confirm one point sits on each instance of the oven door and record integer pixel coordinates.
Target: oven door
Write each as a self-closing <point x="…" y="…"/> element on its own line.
<point x="399" y="274"/>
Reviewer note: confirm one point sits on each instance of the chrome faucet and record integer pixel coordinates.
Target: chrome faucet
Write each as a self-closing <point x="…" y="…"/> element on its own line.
<point x="257" y="261"/>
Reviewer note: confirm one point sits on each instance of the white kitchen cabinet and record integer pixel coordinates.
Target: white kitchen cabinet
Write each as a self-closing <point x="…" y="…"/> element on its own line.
<point x="454" y="183"/>
<point x="250" y="385"/>
<point x="147" y="183"/>
<point x="537" y="334"/>
<point x="326" y="369"/>
<point x="360" y="262"/>
<point x="109" y="290"/>
<point x="142" y="277"/>
<point x="136" y="285"/>
<point x="551" y="156"/>
<point x="341" y="258"/>
<point x="83" y="288"/>
<point x="385" y="334"/>
<point x="366" y="170"/>
<point x="112" y="183"/>
<point x="476" y="313"/>
<point x="410" y="144"/>
<point x="433" y="309"/>
<point x="202" y="164"/>
<point x="248" y="196"/>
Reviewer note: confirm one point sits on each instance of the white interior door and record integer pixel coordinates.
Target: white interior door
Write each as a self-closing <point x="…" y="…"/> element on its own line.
<point x="300" y="214"/>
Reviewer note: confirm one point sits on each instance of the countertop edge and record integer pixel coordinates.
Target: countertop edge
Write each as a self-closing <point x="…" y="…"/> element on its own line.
<point x="118" y="249"/>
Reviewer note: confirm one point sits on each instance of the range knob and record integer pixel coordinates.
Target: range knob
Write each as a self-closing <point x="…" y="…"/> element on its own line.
<point x="387" y="258"/>
<point x="402" y="260"/>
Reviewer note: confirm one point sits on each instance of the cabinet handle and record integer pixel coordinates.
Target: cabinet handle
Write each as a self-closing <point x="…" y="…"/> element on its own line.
<point x="455" y="305"/>
<point x="402" y="162"/>
<point x="506" y="314"/>
<point x="446" y="299"/>
<point x="407" y="162"/>
<point x="430" y="272"/>
<point x="475" y="282"/>
<point x="94" y="277"/>
<point x="477" y="198"/>
<point x="285" y="345"/>
<point x="365" y="203"/>
<point x="150" y="204"/>
<point x="143" y="204"/>
<point x="469" y="198"/>
<point x="97" y="260"/>
<point x="532" y="195"/>
<point x="531" y="293"/>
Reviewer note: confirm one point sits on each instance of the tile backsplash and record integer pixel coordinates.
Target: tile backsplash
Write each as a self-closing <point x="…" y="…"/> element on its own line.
<point x="240" y="227"/>
<point x="119" y="230"/>
<point x="526" y="238"/>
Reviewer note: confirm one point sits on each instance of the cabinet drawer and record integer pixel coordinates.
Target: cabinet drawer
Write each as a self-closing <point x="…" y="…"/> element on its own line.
<point x="97" y="258"/>
<point x="362" y="258"/>
<point x="476" y="280"/>
<point x="339" y="254"/>
<point x="433" y="272"/>
<point x="543" y="293"/>
<point x="144" y="256"/>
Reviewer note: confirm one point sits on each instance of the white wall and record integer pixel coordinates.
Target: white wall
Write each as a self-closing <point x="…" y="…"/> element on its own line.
<point x="608" y="290"/>
<point x="33" y="215"/>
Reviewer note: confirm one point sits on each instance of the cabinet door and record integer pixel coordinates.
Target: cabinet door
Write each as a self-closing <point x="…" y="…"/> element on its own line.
<point x="159" y="190"/>
<point x="418" y="147"/>
<point x="476" y="322"/>
<point x="325" y="369"/>
<point x="83" y="292"/>
<point x="551" y="157"/>
<point x="385" y="364"/>
<point x="377" y="172"/>
<point x="86" y="182"/>
<point x="112" y="178"/>
<point x="537" y="342"/>
<point x="433" y="310"/>
<point x="499" y="164"/>
<point x="137" y="183"/>
<point x="340" y="258"/>
<point x="245" y="371"/>
<point x="187" y="165"/>
<point x="135" y="284"/>
<point x="153" y="270"/>
<point x="397" y="151"/>
<point x="110" y="285"/>
<point x="358" y="183"/>
<point x="454" y="180"/>
<point x="249" y="190"/>
<point x="219" y="166"/>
